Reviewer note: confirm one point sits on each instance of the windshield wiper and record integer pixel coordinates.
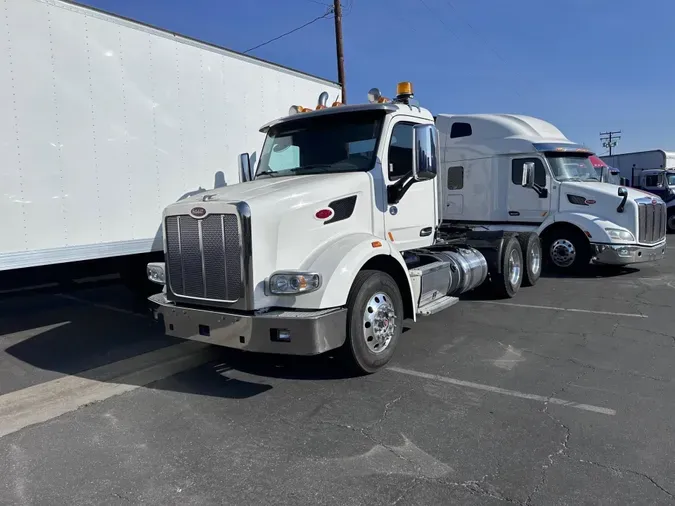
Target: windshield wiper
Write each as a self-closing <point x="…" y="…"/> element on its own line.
<point x="272" y="173"/>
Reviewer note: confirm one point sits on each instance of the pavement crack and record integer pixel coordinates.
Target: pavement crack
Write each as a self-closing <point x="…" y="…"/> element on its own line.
<point x="482" y="488"/>
<point x="592" y="367"/>
<point x="630" y="471"/>
<point x="553" y="457"/>
<point x="121" y="497"/>
<point x="385" y="412"/>
<point x="416" y="481"/>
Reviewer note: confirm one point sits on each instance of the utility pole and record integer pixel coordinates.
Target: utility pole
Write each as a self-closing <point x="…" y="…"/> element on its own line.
<point x="337" y="12"/>
<point x="609" y="139"/>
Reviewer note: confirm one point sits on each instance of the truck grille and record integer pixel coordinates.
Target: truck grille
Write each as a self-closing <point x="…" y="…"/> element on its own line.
<point x="204" y="257"/>
<point x="651" y="222"/>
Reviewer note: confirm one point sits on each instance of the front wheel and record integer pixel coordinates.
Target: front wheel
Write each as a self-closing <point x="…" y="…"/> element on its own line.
<point x="568" y="250"/>
<point x="374" y="321"/>
<point x="671" y="220"/>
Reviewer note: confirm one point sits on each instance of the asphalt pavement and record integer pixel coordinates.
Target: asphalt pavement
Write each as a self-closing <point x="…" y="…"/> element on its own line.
<point x="563" y="395"/>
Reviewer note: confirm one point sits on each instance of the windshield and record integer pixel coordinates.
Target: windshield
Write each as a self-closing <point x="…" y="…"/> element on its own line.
<point x="568" y="167"/>
<point x="671" y="179"/>
<point x="342" y="142"/>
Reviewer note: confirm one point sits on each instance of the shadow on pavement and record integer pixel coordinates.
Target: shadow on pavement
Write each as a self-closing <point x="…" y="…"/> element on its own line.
<point x="592" y="272"/>
<point x="49" y="332"/>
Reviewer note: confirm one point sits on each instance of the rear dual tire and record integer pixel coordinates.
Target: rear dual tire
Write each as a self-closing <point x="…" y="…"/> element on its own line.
<point x="505" y="281"/>
<point x="532" y="257"/>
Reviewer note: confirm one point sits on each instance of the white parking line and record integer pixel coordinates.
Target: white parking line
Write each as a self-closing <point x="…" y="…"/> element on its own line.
<point x="503" y="391"/>
<point x="43" y="402"/>
<point x="94" y="279"/>
<point x="100" y="306"/>
<point x="569" y="310"/>
<point x="28" y="288"/>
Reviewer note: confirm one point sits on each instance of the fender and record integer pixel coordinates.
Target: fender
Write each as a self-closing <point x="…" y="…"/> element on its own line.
<point x="592" y="225"/>
<point x="339" y="262"/>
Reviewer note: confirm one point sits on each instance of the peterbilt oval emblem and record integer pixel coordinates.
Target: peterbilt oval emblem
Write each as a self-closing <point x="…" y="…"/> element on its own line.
<point x="198" y="212"/>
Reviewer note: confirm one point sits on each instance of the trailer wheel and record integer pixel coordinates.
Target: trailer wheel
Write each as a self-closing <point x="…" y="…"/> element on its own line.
<point x="374" y="321"/>
<point x="531" y="247"/>
<point x="505" y="284"/>
<point x="567" y="250"/>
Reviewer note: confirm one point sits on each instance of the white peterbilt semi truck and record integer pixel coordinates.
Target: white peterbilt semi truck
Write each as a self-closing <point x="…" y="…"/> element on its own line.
<point x="105" y="121"/>
<point x="578" y="217"/>
<point x="342" y="231"/>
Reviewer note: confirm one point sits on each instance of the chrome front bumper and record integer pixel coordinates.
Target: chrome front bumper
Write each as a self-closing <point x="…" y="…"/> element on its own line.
<point x="284" y="332"/>
<point x="624" y="254"/>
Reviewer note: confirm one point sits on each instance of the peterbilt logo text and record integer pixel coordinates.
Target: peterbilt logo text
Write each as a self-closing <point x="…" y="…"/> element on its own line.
<point x="198" y="212"/>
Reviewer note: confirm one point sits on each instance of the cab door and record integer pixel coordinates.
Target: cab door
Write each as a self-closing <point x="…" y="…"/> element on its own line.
<point x="410" y="223"/>
<point x="529" y="205"/>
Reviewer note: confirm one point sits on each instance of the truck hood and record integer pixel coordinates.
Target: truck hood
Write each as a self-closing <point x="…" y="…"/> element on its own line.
<point x="593" y="189"/>
<point x="285" y="192"/>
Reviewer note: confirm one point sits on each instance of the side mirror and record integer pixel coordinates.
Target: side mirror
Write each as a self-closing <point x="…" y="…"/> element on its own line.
<point x="425" y="152"/>
<point x="245" y="168"/>
<point x="528" y="175"/>
<point x="623" y="193"/>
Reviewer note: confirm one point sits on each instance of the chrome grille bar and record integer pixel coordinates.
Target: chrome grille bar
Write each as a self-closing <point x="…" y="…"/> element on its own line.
<point x="204" y="257"/>
<point x="651" y="222"/>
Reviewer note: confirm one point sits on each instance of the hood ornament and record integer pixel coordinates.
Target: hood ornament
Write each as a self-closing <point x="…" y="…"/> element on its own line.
<point x="210" y="196"/>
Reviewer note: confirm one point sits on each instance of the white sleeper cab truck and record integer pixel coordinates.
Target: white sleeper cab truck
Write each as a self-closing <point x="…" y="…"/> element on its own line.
<point x="579" y="218"/>
<point x="334" y="240"/>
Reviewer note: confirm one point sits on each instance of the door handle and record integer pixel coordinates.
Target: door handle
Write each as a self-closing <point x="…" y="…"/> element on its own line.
<point x="426" y="231"/>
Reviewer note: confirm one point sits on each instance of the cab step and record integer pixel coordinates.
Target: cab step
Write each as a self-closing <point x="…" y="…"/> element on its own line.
<point x="435" y="305"/>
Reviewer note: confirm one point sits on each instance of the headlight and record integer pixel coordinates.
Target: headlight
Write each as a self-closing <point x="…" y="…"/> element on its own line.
<point x="156" y="273"/>
<point x="288" y="283"/>
<point x="620" y="235"/>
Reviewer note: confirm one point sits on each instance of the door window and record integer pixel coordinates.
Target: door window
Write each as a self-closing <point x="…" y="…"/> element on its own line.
<point x="455" y="178"/>
<point x="517" y="171"/>
<point x="400" y="155"/>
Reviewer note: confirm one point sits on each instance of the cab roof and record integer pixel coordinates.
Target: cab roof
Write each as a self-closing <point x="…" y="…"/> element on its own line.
<point x="492" y="134"/>
<point x="390" y="107"/>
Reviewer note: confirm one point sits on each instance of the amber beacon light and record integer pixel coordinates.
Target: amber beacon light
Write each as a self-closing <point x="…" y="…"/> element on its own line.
<point x="404" y="88"/>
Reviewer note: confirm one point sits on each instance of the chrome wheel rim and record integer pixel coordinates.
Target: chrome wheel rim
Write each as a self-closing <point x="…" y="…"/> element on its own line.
<point x="379" y="322"/>
<point x="535" y="260"/>
<point x="514" y="267"/>
<point x="563" y="253"/>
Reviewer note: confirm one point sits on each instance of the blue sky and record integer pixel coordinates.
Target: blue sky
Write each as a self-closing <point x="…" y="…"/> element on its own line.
<point x="585" y="65"/>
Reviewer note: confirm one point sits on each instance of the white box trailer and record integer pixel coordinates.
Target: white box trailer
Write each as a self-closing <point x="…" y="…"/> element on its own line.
<point x="632" y="164"/>
<point x="106" y="121"/>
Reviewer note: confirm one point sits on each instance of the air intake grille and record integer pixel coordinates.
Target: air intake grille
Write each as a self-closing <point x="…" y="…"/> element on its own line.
<point x="651" y="223"/>
<point x="204" y="257"/>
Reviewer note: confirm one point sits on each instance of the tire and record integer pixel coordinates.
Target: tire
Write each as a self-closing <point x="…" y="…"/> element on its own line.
<point x="505" y="284"/>
<point x="373" y="293"/>
<point x="567" y="250"/>
<point x="671" y="221"/>
<point x="531" y="247"/>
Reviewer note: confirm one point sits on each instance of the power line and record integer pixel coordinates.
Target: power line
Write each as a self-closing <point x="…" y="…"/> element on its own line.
<point x="609" y="139"/>
<point x="323" y="16"/>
